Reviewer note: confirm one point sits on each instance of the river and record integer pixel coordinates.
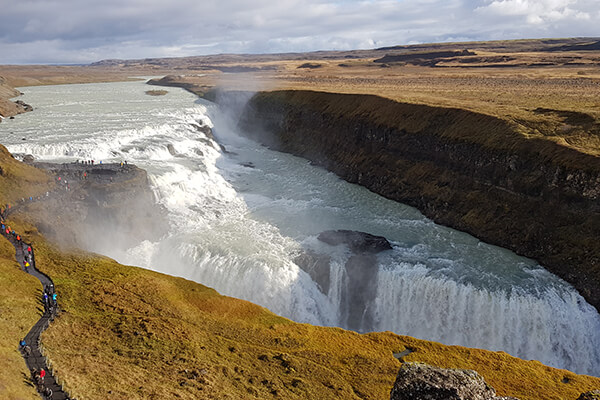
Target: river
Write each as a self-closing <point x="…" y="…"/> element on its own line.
<point x="237" y="219"/>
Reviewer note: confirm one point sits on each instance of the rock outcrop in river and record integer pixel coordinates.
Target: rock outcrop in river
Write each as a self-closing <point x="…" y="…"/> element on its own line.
<point x="359" y="280"/>
<point x="469" y="171"/>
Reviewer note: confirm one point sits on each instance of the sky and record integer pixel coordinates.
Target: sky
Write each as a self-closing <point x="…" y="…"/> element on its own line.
<point x="84" y="31"/>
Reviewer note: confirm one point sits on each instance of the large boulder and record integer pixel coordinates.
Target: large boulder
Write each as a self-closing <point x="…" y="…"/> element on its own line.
<point x="592" y="395"/>
<point x="425" y="382"/>
<point x="358" y="242"/>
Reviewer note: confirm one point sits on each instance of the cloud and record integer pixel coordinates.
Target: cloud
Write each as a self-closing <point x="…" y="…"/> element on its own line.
<point x="538" y="11"/>
<point x="79" y="31"/>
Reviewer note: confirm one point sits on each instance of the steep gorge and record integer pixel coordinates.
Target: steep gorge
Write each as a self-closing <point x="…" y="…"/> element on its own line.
<point x="466" y="170"/>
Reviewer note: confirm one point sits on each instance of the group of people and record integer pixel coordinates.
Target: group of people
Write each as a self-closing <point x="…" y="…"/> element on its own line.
<point x="37" y="375"/>
<point x="38" y="378"/>
<point x="49" y="298"/>
<point x="24" y="348"/>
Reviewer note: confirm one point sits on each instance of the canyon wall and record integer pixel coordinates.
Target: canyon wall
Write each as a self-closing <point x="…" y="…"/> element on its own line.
<point x="462" y="169"/>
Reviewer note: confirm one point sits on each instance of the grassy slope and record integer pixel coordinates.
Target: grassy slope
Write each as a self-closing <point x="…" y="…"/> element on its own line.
<point x="18" y="180"/>
<point x="18" y="293"/>
<point x="141" y="334"/>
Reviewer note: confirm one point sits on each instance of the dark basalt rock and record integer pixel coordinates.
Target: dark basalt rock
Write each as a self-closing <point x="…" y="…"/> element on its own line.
<point x="105" y="206"/>
<point x="26" y="107"/>
<point x="424" y="382"/>
<point x="361" y="288"/>
<point x="317" y="266"/>
<point x="205" y="129"/>
<point x="358" y="288"/>
<point x="358" y="242"/>
<point x="172" y="150"/>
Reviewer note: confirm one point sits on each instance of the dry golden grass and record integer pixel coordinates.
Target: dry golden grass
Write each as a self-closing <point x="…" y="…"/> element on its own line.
<point x="18" y="180"/>
<point x="35" y="75"/>
<point x="512" y="95"/>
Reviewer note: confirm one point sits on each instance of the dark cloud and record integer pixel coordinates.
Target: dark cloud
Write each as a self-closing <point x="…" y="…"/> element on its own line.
<point x="80" y="31"/>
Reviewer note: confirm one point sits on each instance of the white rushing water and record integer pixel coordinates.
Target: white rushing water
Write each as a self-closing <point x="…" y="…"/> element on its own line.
<point x="237" y="220"/>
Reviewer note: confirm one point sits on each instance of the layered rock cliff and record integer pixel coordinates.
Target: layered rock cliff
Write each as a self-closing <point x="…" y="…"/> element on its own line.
<point x="466" y="170"/>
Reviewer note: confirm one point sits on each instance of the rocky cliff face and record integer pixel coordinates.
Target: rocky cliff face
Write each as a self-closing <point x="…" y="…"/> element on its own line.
<point x="109" y="207"/>
<point x="469" y="171"/>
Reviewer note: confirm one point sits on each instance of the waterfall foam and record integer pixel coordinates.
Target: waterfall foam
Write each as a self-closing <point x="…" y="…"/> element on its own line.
<point x="553" y="326"/>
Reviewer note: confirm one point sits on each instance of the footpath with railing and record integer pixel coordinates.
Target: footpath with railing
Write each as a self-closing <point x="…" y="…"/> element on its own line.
<point x="42" y="376"/>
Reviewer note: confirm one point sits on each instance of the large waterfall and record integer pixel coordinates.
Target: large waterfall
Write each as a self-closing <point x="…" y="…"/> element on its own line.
<point x="238" y="219"/>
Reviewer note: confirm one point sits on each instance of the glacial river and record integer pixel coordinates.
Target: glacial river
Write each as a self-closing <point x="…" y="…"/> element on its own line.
<point x="238" y="219"/>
